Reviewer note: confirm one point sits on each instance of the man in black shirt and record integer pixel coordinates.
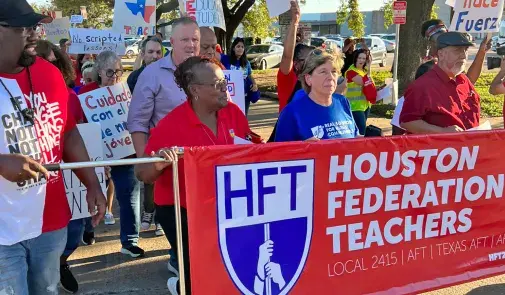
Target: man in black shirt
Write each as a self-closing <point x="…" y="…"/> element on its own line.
<point x="150" y="51"/>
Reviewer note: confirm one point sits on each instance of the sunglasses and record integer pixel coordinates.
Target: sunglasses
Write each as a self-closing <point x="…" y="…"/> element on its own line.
<point x="221" y="84"/>
<point x="110" y="73"/>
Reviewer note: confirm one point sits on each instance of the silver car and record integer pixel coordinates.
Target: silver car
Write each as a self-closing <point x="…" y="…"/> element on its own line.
<point x="264" y="56"/>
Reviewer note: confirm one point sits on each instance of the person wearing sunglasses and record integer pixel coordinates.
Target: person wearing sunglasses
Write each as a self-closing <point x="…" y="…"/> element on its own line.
<point x="35" y="211"/>
<point x="317" y="112"/>
<point x="207" y="118"/>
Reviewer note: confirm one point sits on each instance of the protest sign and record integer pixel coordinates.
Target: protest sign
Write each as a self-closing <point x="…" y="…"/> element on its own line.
<point x="57" y="30"/>
<point x="109" y="107"/>
<point x="235" y="80"/>
<point x="207" y="13"/>
<point x="91" y="41"/>
<point x="413" y="213"/>
<point x="76" y="19"/>
<point x="76" y="191"/>
<point x="135" y="17"/>
<point x="479" y="16"/>
<point x="277" y="7"/>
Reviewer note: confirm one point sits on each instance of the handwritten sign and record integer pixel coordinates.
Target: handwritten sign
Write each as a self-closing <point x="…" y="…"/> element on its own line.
<point x="235" y="80"/>
<point x="76" y="19"/>
<point x="57" y="30"/>
<point x="207" y="13"/>
<point x="477" y="16"/>
<point x="133" y="18"/>
<point x="109" y="107"/>
<point x="91" y="41"/>
<point x="76" y="191"/>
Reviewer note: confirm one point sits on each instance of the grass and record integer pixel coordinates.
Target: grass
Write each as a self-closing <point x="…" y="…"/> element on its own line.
<point x="491" y="105"/>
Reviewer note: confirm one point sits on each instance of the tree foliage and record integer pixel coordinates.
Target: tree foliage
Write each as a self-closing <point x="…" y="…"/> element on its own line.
<point x="348" y="12"/>
<point x="257" y="21"/>
<point x="387" y="8"/>
<point x="98" y="11"/>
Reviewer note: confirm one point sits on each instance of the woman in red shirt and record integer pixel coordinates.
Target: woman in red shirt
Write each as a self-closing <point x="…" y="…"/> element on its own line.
<point x="206" y="119"/>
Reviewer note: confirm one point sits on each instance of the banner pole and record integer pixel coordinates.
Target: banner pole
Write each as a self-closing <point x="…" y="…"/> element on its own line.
<point x="178" y="225"/>
<point x="94" y="164"/>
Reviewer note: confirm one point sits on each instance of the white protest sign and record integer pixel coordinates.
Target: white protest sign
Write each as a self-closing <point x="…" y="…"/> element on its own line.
<point x="207" y="13"/>
<point x="235" y="80"/>
<point x="57" y="30"/>
<point x="76" y="191"/>
<point x="477" y="16"/>
<point x="134" y="18"/>
<point x="450" y="2"/>
<point x="109" y="107"/>
<point x="278" y="7"/>
<point x="76" y="19"/>
<point x="91" y="41"/>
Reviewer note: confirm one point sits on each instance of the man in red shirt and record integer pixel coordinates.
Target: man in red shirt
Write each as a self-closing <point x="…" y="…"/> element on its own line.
<point x="498" y="85"/>
<point x="443" y="100"/>
<point x="36" y="129"/>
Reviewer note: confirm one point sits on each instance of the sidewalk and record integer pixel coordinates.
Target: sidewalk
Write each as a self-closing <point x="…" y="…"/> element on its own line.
<point x="101" y="269"/>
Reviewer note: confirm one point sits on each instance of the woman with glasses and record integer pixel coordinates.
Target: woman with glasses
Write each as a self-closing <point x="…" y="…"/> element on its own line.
<point x="108" y="71"/>
<point x="207" y="118"/>
<point x="317" y="112"/>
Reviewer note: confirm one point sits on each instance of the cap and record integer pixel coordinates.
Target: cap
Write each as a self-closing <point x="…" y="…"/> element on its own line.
<point x="453" y="39"/>
<point x="18" y="13"/>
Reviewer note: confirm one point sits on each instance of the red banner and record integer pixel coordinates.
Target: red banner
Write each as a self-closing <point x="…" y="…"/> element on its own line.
<point x="388" y="215"/>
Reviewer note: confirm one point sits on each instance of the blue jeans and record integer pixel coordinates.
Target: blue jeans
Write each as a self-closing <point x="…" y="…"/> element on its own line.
<point x="128" y="196"/>
<point x="360" y="118"/>
<point x="32" y="266"/>
<point x="75" y="230"/>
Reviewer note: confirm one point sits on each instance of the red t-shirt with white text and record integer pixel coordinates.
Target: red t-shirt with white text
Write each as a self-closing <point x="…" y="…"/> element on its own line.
<point x="50" y="96"/>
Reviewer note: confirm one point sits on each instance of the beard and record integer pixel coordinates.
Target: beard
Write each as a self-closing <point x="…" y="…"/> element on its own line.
<point x="458" y="69"/>
<point x="26" y="59"/>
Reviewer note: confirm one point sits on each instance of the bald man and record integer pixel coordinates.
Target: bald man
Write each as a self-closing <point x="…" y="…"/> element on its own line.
<point x="208" y="43"/>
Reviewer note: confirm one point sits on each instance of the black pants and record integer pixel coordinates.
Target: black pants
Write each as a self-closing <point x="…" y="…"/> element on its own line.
<point x="149" y="200"/>
<point x="166" y="217"/>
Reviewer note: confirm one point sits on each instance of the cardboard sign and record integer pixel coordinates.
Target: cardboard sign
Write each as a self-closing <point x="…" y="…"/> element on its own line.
<point x="207" y="13"/>
<point x="135" y="17"/>
<point x="91" y="41"/>
<point x="277" y="7"/>
<point x="477" y="16"/>
<point x="57" y="30"/>
<point x="235" y="80"/>
<point x="414" y="213"/>
<point x="109" y="107"/>
<point x="76" y="191"/>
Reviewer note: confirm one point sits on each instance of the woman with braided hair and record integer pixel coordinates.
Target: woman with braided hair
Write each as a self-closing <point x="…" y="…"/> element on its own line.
<point x="207" y="118"/>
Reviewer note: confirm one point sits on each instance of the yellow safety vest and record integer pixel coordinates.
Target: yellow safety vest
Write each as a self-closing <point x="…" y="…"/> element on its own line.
<point x="355" y="92"/>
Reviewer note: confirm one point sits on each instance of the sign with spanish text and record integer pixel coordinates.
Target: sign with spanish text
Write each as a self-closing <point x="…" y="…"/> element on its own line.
<point x="76" y="191"/>
<point x="480" y="16"/>
<point x="135" y="17"/>
<point x="207" y="13"/>
<point x="414" y="213"/>
<point x="109" y="106"/>
<point x="57" y="30"/>
<point x="236" y="89"/>
<point x="92" y="41"/>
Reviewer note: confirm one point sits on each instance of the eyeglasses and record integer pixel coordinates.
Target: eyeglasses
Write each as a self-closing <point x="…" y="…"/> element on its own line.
<point x="110" y="73"/>
<point x="27" y="31"/>
<point x="221" y="84"/>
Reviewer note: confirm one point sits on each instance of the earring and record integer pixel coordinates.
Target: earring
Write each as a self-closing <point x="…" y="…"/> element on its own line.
<point x="196" y="98"/>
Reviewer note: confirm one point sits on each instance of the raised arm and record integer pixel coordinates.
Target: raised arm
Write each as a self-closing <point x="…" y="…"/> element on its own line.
<point x="290" y="42"/>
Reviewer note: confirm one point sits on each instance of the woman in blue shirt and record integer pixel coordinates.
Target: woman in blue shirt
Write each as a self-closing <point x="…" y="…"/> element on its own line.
<point x="237" y="60"/>
<point x="317" y="112"/>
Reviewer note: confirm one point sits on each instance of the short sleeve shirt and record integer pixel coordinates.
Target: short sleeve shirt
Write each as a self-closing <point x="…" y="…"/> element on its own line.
<point x="285" y="86"/>
<point x="441" y="101"/>
<point x="191" y="132"/>
<point x="34" y="207"/>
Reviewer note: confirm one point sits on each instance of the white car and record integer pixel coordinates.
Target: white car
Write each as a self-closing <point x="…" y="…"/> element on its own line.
<point x="132" y="48"/>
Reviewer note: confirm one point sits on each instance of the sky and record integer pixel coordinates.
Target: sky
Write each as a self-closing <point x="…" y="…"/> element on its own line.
<point x="312" y="6"/>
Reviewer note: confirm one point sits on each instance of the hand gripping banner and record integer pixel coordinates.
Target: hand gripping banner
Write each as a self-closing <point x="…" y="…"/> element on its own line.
<point x="364" y="216"/>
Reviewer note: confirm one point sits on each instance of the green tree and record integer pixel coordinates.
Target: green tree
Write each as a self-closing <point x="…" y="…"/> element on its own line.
<point x="99" y="11"/>
<point x="257" y="21"/>
<point x="349" y="12"/>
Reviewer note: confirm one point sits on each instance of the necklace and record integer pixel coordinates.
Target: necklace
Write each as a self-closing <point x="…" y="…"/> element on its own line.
<point x="29" y="112"/>
<point x="220" y="127"/>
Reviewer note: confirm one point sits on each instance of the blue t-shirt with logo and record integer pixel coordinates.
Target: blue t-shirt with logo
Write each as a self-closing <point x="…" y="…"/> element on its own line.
<point x="302" y="119"/>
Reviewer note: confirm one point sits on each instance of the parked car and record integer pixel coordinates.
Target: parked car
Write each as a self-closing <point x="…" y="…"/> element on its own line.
<point x="377" y="49"/>
<point x="132" y="47"/>
<point x="377" y="35"/>
<point x="264" y="56"/>
<point x="494" y="41"/>
<point x="276" y="40"/>
<point x="390" y="45"/>
<point x="317" y="41"/>
<point x="329" y="42"/>
<point x="390" y="37"/>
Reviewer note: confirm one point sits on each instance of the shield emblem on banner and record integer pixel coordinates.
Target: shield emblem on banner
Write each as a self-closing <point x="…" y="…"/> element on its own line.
<point x="265" y="216"/>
